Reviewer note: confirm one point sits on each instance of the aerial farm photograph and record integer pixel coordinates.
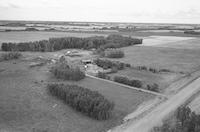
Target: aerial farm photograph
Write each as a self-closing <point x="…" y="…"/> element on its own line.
<point x="99" y="66"/>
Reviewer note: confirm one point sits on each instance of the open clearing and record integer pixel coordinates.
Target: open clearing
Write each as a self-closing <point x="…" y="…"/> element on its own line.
<point x="26" y="105"/>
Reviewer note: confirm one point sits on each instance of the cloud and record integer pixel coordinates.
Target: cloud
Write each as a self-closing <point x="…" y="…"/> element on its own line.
<point x="11" y="5"/>
<point x="102" y="10"/>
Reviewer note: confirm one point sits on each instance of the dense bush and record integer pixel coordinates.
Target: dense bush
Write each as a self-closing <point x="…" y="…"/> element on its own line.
<point x="114" y="53"/>
<point x="84" y="100"/>
<point x="153" y="87"/>
<point x="186" y="121"/>
<point x="127" y="81"/>
<point x="10" y="56"/>
<point x="106" y="64"/>
<point x="67" y="72"/>
<point x="103" y="75"/>
<point x="54" y="44"/>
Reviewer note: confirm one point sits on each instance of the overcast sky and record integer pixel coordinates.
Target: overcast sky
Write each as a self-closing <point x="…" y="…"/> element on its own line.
<point x="165" y="11"/>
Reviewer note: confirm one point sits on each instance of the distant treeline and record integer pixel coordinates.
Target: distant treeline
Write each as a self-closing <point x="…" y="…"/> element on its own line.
<point x="54" y="44"/>
<point x="192" y="32"/>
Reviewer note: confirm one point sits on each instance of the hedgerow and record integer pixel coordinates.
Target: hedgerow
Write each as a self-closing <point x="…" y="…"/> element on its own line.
<point x="88" y="102"/>
<point x="150" y="69"/>
<point x="62" y="70"/>
<point x="136" y="83"/>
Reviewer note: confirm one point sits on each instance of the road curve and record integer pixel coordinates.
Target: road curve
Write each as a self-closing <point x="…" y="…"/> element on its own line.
<point x="156" y="116"/>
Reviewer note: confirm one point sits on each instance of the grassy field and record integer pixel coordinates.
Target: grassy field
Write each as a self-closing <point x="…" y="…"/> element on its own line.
<point x="26" y="105"/>
<point x="185" y="60"/>
<point x="162" y="79"/>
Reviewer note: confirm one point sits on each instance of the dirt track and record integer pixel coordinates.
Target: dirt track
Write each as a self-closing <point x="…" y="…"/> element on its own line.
<point x="156" y="116"/>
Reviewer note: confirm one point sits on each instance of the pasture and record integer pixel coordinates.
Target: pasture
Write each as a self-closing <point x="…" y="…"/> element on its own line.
<point x="27" y="106"/>
<point x="175" y="59"/>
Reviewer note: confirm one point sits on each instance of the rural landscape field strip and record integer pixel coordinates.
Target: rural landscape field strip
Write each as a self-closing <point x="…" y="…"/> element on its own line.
<point x="130" y="101"/>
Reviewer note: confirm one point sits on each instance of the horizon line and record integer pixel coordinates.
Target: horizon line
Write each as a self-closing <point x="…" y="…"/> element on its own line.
<point x="100" y="22"/>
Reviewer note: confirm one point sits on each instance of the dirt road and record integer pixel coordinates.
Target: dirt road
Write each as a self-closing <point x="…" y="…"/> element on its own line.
<point x="156" y="116"/>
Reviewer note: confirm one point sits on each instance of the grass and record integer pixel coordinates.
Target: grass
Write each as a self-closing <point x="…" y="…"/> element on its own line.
<point x="163" y="80"/>
<point x="177" y="60"/>
<point x="26" y="104"/>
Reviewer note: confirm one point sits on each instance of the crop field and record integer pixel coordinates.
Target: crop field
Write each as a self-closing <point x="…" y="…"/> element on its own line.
<point x="163" y="40"/>
<point x="172" y="42"/>
<point x="192" y="43"/>
<point x="27" y="106"/>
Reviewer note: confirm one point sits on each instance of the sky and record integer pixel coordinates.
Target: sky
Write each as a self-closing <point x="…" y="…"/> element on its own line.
<point x="141" y="11"/>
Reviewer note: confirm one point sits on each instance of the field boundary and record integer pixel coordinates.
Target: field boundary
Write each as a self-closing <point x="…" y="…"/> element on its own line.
<point x="129" y="87"/>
